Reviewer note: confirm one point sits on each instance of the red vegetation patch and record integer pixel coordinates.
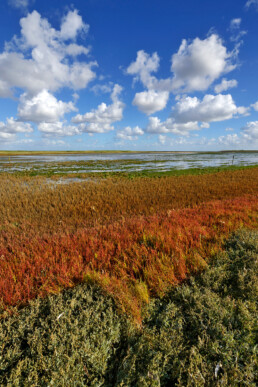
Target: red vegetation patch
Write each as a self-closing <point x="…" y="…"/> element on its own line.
<point x="132" y="259"/>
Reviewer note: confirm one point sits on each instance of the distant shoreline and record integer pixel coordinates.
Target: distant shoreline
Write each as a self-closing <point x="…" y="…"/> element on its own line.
<point x="27" y="153"/>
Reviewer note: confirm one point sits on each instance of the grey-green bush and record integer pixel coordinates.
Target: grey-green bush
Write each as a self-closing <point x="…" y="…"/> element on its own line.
<point x="70" y="339"/>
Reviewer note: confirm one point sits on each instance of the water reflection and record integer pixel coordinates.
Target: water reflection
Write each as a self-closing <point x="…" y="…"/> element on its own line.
<point x="117" y="162"/>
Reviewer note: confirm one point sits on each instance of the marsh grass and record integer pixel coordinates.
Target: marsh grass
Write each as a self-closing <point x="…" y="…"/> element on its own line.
<point x="52" y="208"/>
<point x="133" y="259"/>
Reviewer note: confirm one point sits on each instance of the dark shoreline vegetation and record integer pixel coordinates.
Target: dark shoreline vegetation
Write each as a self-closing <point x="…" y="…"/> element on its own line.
<point x="121" y="281"/>
<point x="201" y="333"/>
<point x="20" y="152"/>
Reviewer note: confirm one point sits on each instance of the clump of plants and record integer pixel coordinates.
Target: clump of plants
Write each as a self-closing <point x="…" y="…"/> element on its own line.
<point x="202" y="333"/>
<point x="69" y="339"/>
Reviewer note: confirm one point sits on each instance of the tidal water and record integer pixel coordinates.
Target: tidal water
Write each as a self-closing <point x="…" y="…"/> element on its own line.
<point x="106" y="162"/>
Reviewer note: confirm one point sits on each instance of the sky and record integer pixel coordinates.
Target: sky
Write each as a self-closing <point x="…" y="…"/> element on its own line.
<point x="128" y="75"/>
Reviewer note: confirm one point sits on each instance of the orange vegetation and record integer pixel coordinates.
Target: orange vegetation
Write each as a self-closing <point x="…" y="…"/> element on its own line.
<point x="133" y="258"/>
<point x="49" y="208"/>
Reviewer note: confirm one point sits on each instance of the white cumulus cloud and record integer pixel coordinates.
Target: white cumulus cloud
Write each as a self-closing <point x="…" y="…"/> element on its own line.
<point x="157" y="94"/>
<point x="162" y="139"/>
<point x="190" y="114"/>
<point x="198" y="64"/>
<point x="43" y="107"/>
<point x="250" y="131"/>
<point x="100" y="120"/>
<point x="58" y="129"/>
<point x="210" y="109"/>
<point x="151" y="101"/>
<point x="229" y="139"/>
<point x="71" y="25"/>
<point x="225" y="85"/>
<point x="129" y="133"/>
<point x="156" y="126"/>
<point x="143" y="67"/>
<point x="255" y="106"/>
<point x="11" y="127"/>
<point x="195" y="66"/>
<point x="39" y="58"/>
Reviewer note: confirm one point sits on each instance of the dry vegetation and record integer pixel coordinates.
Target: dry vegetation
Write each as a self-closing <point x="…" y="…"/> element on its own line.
<point x="136" y="238"/>
<point x="31" y="203"/>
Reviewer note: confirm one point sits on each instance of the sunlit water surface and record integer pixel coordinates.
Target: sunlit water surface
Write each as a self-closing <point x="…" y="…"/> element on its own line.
<point x="107" y="162"/>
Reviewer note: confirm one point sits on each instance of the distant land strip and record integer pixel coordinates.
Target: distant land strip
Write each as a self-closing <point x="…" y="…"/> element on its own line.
<point x="23" y="153"/>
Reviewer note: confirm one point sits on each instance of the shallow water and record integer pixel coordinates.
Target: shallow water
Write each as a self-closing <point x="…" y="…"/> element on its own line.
<point x="108" y="162"/>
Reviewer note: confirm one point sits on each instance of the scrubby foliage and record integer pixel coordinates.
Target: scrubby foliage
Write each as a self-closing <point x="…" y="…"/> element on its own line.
<point x="200" y="334"/>
<point x="71" y="339"/>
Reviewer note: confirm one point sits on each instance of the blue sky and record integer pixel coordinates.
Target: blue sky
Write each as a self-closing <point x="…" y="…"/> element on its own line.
<point x="128" y="74"/>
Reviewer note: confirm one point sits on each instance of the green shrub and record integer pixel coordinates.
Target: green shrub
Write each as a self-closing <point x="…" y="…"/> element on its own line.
<point x="70" y="339"/>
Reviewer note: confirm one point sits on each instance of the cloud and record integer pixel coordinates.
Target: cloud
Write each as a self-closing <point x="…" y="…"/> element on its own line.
<point x="72" y="24"/>
<point x="252" y="3"/>
<point x="129" y="133"/>
<point x="229" y="139"/>
<point x="225" y="85"/>
<point x="198" y="64"/>
<point x="162" y="139"/>
<point x="190" y="114"/>
<point x="5" y="92"/>
<point x="42" y="59"/>
<point x="236" y="34"/>
<point x="151" y="101"/>
<point x="102" y="88"/>
<point x="5" y="136"/>
<point x="58" y="129"/>
<point x="195" y="67"/>
<point x="22" y="4"/>
<point x="210" y="109"/>
<point x="50" y="142"/>
<point x="250" y="132"/>
<point x="100" y="120"/>
<point x="43" y="107"/>
<point x="75" y="50"/>
<point x="156" y="126"/>
<point x="247" y="137"/>
<point x="143" y="67"/>
<point x="255" y="106"/>
<point x="235" y="23"/>
<point x="12" y="127"/>
<point x="157" y="94"/>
